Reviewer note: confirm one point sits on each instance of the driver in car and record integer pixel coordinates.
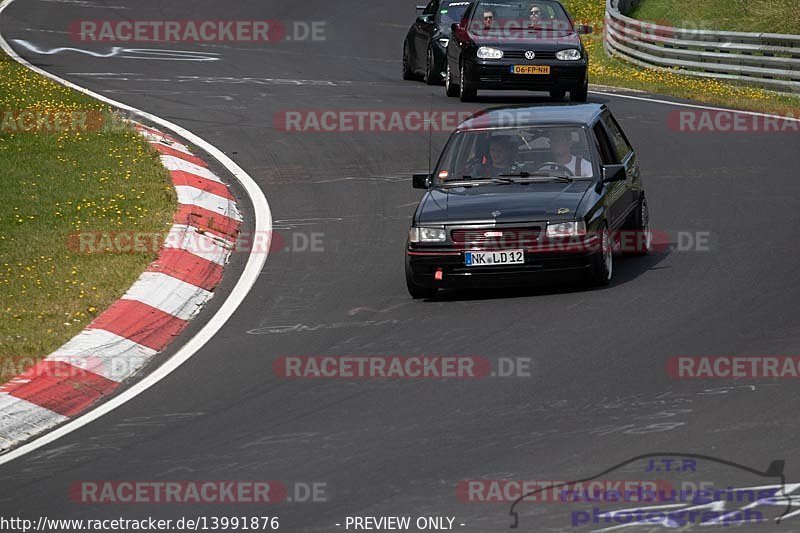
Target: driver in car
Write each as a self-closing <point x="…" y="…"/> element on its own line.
<point x="561" y="156"/>
<point x="498" y="160"/>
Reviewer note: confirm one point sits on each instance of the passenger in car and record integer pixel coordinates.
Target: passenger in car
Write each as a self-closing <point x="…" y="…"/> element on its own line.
<point x="561" y="153"/>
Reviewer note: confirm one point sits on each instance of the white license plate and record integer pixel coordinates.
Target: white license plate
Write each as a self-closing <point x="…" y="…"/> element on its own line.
<point x="506" y="257"/>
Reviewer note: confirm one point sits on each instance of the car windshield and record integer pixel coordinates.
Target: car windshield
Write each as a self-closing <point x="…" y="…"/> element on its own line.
<point x="527" y="153"/>
<point x="450" y="13"/>
<point x="492" y="16"/>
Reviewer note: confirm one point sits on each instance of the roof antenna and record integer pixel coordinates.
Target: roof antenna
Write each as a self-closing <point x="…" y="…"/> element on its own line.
<point x="430" y="133"/>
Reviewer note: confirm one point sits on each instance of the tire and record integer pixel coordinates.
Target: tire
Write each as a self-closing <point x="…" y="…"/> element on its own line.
<point x="466" y="94"/>
<point x="602" y="269"/>
<point x="580" y="95"/>
<point x="641" y="228"/>
<point x="431" y="78"/>
<point x="557" y="94"/>
<point x="450" y="88"/>
<point x="417" y="291"/>
<point x="408" y="73"/>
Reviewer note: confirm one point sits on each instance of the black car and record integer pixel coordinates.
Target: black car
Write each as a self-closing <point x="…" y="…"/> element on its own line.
<point x="520" y="191"/>
<point x="526" y="45"/>
<point x="426" y="41"/>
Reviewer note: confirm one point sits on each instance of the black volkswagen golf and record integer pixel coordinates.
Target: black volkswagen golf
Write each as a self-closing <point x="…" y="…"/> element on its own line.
<point x="527" y="45"/>
<point x="520" y="191"/>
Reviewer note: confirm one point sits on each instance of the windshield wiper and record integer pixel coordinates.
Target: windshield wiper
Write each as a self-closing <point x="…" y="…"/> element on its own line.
<point x="547" y="175"/>
<point x="476" y="181"/>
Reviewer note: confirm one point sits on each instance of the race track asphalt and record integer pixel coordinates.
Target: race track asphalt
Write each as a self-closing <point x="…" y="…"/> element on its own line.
<point x="598" y="393"/>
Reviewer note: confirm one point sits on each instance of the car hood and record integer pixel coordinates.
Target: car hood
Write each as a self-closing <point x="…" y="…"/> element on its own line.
<point x="515" y="203"/>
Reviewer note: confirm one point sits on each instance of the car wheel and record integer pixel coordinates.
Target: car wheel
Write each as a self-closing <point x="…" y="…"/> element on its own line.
<point x="641" y="229"/>
<point x="557" y="94"/>
<point x="466" y="94"/>
<point x="450" y="88"/>
<point x="602" y="269"/>
<point x="408" y="73"/>
<point x="416" y="290"/>
<point x="431" y="78"/>
<point x="580" y="95"/>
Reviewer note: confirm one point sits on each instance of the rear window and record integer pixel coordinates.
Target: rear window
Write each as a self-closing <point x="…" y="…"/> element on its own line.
<point x="450" y="13"/>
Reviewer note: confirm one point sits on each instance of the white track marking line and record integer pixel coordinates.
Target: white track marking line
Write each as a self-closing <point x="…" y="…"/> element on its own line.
<point x="696" y="106"/>
<point x="255" y="262"/>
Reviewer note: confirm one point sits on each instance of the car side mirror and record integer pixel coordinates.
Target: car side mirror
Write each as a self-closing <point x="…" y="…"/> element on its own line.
<point x="420" y="8"/>
<point x="585" y="29"/>
<point x="613" y="173"/>
<point x="421" y="181"/>
<point x="425" y="19"/>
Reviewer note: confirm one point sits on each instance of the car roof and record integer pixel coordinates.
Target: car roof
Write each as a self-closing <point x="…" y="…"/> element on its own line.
<point x="533" y="115"/>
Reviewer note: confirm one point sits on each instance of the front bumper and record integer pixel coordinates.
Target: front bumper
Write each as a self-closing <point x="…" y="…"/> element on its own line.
<point x="495" y="74"/>
<point x="541" y="262"/>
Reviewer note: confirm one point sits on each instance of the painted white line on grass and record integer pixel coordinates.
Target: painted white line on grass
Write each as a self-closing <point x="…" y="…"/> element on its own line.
<point x="255" y="262"/>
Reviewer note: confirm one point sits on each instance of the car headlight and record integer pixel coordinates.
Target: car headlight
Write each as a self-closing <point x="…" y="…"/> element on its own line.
<point x="444" y="41"/>
<point x="427" y="235"/>
<point x="572" y="54"/>
<point x="575" y="228"/>
<point x="485" y="52"/>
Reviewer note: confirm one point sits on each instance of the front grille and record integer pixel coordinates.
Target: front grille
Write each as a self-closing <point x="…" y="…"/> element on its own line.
<point x="514" y="54"/>
<point x="496" y="239"/>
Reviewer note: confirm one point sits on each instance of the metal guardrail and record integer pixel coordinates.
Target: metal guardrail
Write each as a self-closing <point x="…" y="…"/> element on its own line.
<point x="770" y="60"/>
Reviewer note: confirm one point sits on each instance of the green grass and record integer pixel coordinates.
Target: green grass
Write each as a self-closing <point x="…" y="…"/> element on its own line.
<point x="605" y="70"/>
<point x="57" y="184"/>
<point x="772" y="16"/>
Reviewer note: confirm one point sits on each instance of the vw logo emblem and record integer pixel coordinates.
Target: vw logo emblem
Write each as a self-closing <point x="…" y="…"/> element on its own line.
<point x="495" y="214"/>
<point x="530" y="54"/>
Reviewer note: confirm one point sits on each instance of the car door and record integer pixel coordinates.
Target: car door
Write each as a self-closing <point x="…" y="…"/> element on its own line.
<point x="624" y="154"/>
<point x="613" y="193"/>
<point x="423" y="31"/>
<point x="458" y="40"/>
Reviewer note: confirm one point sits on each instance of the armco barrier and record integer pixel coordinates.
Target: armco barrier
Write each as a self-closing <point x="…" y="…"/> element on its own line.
<point x="769" y="60"/>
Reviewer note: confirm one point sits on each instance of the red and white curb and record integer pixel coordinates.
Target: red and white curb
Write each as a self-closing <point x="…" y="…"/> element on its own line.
<point x="155" y="310"/>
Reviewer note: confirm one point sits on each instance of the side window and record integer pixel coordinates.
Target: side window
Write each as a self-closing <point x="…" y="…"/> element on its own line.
<point x="618" y="141"/>
<point x="431" y="8"/>
<point x="603" y="145"/>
